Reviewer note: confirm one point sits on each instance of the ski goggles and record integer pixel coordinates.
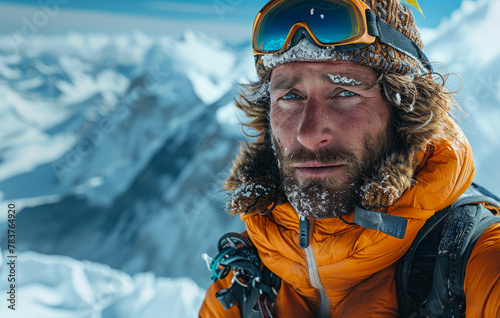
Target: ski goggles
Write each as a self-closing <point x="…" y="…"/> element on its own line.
<point x="344" y="24"/>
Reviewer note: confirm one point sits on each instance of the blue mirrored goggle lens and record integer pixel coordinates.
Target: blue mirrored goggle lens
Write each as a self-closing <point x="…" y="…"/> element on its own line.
<point x="330" y="22"/>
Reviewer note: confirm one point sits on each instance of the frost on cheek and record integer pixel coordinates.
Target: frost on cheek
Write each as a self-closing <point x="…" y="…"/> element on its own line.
<point x="342" y="80"/>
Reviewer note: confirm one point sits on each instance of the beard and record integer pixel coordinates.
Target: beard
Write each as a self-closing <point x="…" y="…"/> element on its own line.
<point x="328" y="197"/>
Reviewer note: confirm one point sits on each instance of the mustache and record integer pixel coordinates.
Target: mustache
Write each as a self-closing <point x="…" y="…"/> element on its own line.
<point x="322" y="155"/>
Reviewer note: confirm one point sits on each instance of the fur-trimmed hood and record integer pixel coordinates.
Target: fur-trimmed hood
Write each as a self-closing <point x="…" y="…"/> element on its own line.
<point x="254" y="181"/>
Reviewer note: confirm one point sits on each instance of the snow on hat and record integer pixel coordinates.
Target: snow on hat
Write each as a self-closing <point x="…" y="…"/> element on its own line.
<point x="378" y="55"/>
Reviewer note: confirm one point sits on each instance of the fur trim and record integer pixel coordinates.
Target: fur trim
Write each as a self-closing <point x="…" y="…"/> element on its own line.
<point x="254" y="181"/>
<point x="395" y="177"/>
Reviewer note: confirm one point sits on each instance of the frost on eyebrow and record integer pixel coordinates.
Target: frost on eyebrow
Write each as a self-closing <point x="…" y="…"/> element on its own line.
<point x="342" y="80"/>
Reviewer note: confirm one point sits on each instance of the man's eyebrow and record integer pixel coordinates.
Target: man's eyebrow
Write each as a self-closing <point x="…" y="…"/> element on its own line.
<point x="285" y="83"/>
<point x="343" y="80"/>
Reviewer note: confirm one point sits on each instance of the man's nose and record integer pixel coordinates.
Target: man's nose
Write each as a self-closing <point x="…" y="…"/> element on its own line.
<point x="315" y="130"/>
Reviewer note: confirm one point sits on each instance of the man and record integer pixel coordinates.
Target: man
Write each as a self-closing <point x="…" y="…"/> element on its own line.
<point x="356" y="152"/>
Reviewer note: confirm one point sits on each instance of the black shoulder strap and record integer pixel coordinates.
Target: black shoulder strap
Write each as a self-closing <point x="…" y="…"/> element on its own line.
<point x="430" y="275"/>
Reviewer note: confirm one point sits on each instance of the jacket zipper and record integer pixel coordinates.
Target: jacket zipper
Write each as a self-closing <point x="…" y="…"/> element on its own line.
<point x="324" y="304"/>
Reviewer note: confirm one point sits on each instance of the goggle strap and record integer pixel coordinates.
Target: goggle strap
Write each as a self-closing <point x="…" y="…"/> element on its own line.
<point x="371" y="23"/>
<point x="397" y="40"/>
<point x="301" y="34"/>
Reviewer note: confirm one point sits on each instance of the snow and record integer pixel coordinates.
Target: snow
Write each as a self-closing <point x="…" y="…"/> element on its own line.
<point x="342" y="80"/>
<point x="262" y="92"/>
<point x="211" y="75"/>
<point x="117" y="143"/>
<point x="303" y="51"/>
<point x="58" y="286"/>
<point x="306" y="51"/>
<point x="463" y="44"/>
<point x="114" y="148"/>
<point x="84" y="117"/>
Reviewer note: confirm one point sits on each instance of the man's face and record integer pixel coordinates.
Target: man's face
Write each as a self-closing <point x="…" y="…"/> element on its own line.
<point x="330" y="128"/>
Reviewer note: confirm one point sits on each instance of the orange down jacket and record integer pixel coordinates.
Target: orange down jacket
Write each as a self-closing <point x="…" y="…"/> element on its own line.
<point x="357" y="266"/>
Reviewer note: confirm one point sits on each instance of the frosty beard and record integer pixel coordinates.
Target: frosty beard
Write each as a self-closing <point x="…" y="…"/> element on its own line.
<point x="326" y="198"/>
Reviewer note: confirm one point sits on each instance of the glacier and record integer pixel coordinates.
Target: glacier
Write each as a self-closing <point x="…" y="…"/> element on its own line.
<point x="59" y="286"/>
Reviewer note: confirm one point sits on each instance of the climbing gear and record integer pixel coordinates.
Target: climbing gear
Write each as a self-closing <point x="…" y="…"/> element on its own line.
<point x="253" y="286"/>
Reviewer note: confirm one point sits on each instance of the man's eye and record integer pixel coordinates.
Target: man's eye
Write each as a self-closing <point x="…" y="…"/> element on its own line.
<point x="290" y="96"/>
<point x="347" y="94"/>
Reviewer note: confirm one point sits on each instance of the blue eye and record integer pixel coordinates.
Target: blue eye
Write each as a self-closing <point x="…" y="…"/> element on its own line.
<point x="290" y="96"/>
<point x="347" y="94"/>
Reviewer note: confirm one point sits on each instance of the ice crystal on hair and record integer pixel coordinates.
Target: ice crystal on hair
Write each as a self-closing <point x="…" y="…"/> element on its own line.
<point x="397" y="96"/>
<point x="261" y="93"/>
<point x="342" y="80"/>
<point x="411" y="107"/>
<point x="316" y="206"/>
<point x="315" y="200"/>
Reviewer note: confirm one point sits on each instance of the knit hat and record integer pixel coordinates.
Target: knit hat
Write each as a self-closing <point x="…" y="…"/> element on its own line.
<point x="377" y="55"/>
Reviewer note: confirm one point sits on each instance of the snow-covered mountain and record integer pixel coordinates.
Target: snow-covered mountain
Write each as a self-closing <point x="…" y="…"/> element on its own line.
<point x="114" y="147"/>
<point x="61" y="287"/>
<point x="119" y="159"/>
<point x="467" y="44"/>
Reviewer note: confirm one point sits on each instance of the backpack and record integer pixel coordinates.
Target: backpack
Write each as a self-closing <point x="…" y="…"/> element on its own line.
<point x="429" y="277"/>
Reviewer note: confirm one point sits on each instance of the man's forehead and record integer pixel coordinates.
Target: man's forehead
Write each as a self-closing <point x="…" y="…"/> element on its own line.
<point x="346" y="74"/>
